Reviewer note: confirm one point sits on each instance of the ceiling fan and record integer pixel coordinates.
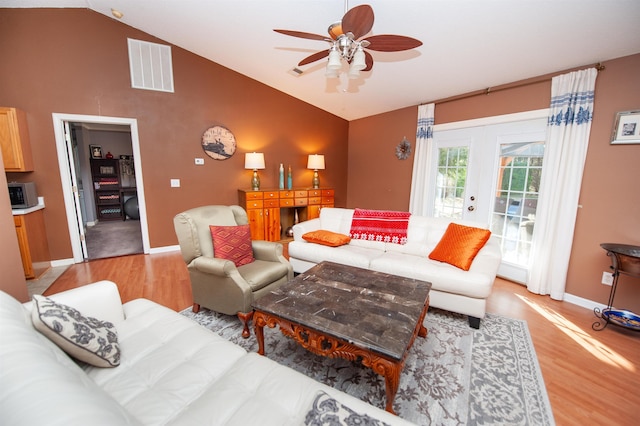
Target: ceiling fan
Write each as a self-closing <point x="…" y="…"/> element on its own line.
<point x="348" y="42"/>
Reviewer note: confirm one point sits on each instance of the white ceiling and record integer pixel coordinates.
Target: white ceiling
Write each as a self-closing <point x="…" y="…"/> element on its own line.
<point x="468" y="45"/>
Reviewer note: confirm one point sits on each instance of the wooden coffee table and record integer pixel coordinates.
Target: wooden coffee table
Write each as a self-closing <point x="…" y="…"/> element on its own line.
<point x="340" y="311"/>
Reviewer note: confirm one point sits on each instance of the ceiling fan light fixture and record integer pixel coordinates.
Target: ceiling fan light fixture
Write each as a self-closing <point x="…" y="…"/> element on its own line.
<point x="358" y="59"/>
<point x="335" y="62"/>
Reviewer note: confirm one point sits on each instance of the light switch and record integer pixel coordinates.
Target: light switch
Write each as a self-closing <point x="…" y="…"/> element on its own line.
<point x="175" y="183"/>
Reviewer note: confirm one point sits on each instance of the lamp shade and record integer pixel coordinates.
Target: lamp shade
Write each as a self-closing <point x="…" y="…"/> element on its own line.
<point x="334" y="60"/>
<point x="254" y="160"/>
<point x="315" y="162"/>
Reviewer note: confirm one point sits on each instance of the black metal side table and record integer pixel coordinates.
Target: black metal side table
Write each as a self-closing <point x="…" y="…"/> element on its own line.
<point x="625" y="260"/>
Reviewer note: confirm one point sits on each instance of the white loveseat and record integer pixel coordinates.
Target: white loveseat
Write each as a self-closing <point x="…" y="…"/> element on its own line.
<point x="172" y="372"/>
<point x="452" y="289"/>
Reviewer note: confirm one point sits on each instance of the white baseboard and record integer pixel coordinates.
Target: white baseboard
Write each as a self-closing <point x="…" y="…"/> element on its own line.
<point x="585" y="303"/>
<point x="165" y="249"/>
<point x="62" y="262"/>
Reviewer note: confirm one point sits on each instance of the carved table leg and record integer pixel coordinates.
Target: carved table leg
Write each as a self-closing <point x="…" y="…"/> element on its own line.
<point x="258" y="325"/>
<point x="392" y="381"/>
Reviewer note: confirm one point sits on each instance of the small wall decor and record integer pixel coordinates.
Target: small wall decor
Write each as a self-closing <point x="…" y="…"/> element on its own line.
<point x="626" y="129"/>
<point x="403" y="150"/>
<point x="96" y="151"/>
<point x="219" y="143"/>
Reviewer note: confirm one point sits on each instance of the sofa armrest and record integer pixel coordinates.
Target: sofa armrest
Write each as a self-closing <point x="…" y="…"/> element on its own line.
<point x="267" y="250"/>
<point x="213" y="266"/>
<point x="99" y="300"/>
<point x="299" y="229"/>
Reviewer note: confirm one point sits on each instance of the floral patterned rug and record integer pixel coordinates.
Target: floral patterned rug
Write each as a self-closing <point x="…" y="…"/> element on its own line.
<point x="456" y="376"/>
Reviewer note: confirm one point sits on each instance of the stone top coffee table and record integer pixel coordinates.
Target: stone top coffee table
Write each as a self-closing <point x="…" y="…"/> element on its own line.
<point x="340" y="311"/>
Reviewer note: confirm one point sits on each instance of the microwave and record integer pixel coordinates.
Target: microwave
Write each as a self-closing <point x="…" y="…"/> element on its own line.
<point x="23" y="195"/>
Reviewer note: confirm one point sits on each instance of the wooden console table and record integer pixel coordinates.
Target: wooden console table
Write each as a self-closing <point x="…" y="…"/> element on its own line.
<point x="271" y="211"/>
<point x="625" y="260"/>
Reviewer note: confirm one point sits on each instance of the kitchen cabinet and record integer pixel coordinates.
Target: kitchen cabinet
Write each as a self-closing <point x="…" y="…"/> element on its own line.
<point x="14" y="139"/>
<point x="32" y="240"/>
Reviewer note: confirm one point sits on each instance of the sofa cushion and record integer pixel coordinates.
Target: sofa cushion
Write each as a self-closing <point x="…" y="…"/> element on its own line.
<point x="326" y="238"/>
<point x="475" y="283"/>
<point x="232" y="243"/>
<point x="41" y="384"/>
<point x="459" y="245"/>
<point x="380" y="225"/>
<point x="351" y="254"/>
<point x="84" y="338"/>
<point x="168" y="363"/>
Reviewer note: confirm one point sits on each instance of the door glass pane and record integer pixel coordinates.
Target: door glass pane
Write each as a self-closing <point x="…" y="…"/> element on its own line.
<point x="451" y="180"/>
<point x="516" y="201"/>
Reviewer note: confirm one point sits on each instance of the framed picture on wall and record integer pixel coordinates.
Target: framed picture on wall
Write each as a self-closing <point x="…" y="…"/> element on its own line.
<point x="96" y="151"/>
<point x="626" y="128"/>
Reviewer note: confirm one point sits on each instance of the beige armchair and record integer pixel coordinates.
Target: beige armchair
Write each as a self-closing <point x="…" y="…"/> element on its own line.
<point x="218" y="284"/>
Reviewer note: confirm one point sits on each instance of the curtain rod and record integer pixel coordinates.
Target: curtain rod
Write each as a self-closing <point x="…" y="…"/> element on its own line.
<point x="514" y="85"/>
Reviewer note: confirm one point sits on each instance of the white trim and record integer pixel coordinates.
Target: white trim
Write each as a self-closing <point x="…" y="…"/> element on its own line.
<point x="165" y="249"/>
<point x="498" y="119"/>
<point x="65" y="177"/>
<point x="62" y="262"/>
<point x="585" y="303"/>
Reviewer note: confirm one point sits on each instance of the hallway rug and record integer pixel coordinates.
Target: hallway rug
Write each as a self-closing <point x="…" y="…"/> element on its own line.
<point x="114" y="238"/>
<point x="456" y="376"/>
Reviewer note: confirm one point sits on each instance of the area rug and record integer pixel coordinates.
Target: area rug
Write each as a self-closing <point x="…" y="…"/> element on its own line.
<point x="456" y="376"/>
<point x="114" y="238"/>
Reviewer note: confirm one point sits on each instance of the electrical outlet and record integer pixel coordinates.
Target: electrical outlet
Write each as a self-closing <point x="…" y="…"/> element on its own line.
<point x="607" y="278"/>
<point x="175" y="183"/>
<point x="199" y="161"/>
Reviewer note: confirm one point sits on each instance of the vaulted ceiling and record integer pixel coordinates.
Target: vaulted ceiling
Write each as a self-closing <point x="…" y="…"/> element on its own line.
<point x="468" y="45"/>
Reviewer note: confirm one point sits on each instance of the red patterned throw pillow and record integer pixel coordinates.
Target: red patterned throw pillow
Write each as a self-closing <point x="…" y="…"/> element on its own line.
<point x="380" y="225"/>
<point x="232" y="243"/>
<point x="459" y="245"/>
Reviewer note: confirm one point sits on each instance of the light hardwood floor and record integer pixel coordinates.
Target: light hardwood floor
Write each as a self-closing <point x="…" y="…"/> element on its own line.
<point x="592" y="377"/>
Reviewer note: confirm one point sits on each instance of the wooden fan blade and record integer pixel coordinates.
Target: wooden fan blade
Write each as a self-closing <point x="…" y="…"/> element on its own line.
<point x="358" y="21"/>
<point x="315" y="57"/>
<point x="368" y="59"/>
<point x="301" y="34"/>
<point x="392" y="43"/>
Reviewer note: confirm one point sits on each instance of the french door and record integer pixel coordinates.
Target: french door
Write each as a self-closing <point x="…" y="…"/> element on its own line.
<point x="491" y="174"/>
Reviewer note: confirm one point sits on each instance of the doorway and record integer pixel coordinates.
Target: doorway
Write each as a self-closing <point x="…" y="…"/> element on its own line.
<point x="96" y="205"/>
<point x="490" y="172"/>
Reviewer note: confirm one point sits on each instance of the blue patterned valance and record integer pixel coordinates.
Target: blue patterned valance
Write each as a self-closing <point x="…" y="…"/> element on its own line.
<point x="425" y="128"/>
<point x="571" y="108"/>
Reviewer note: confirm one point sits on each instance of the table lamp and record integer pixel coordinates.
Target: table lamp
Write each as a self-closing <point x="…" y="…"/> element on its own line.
<point x="255" y="161"/>
<point x="315" y="162"/>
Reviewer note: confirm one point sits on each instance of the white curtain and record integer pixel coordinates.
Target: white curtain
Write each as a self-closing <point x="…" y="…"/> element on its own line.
<point x="422" y="161"/>
<point x="567" y="141"/>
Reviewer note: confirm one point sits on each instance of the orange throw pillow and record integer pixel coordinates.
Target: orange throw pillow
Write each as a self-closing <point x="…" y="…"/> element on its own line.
<point x="327" y="238"/>
<point x="459" y="245"/>
<point x="232" y="243"/>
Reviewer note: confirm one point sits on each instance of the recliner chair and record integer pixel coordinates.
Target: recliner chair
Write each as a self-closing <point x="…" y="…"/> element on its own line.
<point x="218" y="284"/>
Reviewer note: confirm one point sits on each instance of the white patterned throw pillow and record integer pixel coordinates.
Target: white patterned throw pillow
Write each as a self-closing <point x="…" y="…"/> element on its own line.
<point x="327" y="411"/>
<point x="84" y="338"/>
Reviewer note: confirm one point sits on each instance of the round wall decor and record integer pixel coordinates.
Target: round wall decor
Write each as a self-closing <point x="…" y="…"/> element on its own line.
<point x="403" y="150"/>
<point x="219" y="143"/>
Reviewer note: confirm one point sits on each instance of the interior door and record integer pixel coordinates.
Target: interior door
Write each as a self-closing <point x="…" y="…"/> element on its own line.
<point x="73" y="155"/>
<point x="491" y="174"/>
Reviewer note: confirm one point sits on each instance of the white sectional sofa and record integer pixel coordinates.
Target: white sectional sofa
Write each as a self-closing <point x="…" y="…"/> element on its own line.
<point x="172" y="371"/>
<point x="453" y="289"/>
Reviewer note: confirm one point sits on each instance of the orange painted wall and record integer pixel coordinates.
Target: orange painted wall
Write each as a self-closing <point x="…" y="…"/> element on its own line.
<point x="13" y="281"/>
<point x="75" y="61"/>
<point x="610" y="195"/>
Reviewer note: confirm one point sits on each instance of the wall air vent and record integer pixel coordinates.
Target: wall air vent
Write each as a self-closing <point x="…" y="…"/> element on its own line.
<point x="150" y="65"/>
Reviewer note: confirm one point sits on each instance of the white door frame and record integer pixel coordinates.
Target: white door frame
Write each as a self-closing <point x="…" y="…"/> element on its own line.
<point x="64" y="161"/>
